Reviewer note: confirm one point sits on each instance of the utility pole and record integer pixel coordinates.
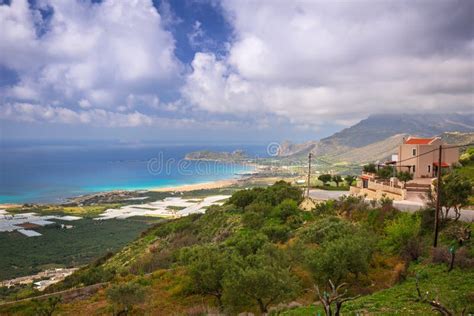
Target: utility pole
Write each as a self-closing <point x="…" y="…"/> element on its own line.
<point x="438" y="199"/>
<point x="309" y="175"/>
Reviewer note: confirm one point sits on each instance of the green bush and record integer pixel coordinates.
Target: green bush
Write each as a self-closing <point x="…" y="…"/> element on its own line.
<point x="206" y="268"/>
<point x="244" y="198"/>
<point x="349" y="204"/>
<point x="253" y="220"/>
<point x="386" y="172"/>
<point x="247" y="242"/>
<point x="263" y="208"/>
<point x="276" y="232"/>
<point x="264" y="278"/>
<point x="339" y="257"/>
<point x="325" y="229"/>
<point x="124" y="296"/>
<point x="369" y="168"/>
<point x="467" y="157"/>
<point x="280" y="191"/>
<point x="285" y="209"/>
<point x="325" y="208"/>
<point x="403" y="236"/>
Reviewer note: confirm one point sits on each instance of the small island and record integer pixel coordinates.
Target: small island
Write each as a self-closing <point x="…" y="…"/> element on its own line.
<point x="235" y="156"/>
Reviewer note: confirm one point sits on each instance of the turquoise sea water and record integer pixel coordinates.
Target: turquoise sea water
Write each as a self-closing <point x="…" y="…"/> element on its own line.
<point x="50" y="173"/>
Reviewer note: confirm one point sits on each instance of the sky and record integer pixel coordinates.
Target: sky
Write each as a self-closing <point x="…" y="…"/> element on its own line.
<point x="231" y="70"/>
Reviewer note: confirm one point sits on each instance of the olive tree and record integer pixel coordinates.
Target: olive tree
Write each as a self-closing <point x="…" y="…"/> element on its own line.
<point x="264" y="278"/>
<point x="350" y="179"/>
<point x="455" y="192"/>
<point x="206" y="267"/>
<point x="369" y="168"/>
<point x="325" y="178"/>
<point x="404" y="176"/>
<point x="337" y="179"/>
<point x="339" y="257"/>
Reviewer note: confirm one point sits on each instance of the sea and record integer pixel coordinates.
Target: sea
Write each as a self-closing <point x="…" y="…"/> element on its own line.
<point x="51" y="172"/>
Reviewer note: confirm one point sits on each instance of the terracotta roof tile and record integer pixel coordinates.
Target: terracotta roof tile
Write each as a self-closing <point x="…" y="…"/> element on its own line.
<point x="419" y="141"/>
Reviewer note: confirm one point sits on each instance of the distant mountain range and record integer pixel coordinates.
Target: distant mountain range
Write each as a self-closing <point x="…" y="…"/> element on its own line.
<point x="378" y="136"/>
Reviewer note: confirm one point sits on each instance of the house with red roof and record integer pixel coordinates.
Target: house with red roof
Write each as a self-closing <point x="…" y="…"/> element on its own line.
<point x="419" y="156"/>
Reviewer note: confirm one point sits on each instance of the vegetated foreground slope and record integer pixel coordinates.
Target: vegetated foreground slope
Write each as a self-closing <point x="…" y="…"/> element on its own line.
<point x="259" y="252"/>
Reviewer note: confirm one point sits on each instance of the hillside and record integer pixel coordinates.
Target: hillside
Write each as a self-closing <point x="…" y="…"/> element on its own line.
<point x="260" y="253"/>
<point x="381" y="126"/>
<point x="378" y="136"/>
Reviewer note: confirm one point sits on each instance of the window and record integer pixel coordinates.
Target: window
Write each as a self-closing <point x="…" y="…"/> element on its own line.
<point x="414" y="151"/>
<point x="429" y="168"/>
<point x="413" y="168"/>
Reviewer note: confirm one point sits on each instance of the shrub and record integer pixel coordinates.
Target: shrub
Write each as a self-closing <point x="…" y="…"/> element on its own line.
<point x="272" y="195"/>
<point x="276" y="232"/>
<point x="264" y="278"/>
<point x="124" y="296"/>
<point x="253" y="220"/>
<point x="427" y="216"/>
<point x="325" y="208"/>
<point x="280" y="191"/>
<point x="440" y="254"/>
<point x="244" y="198"/>
<point x="369" y="168"/>
<point x="462" y="257"/>
<point x="348" y="204"/>
<point x="325" y="229"/>
<point x="403" y="236"/>
<point x="467" y="157"/>
<point x="247" y="242"/>
<point x="337" y="258"/>
<point x="96" y="275"/>
<point x="260" y="207"/>
<point x="386" y="172"/>
<point x="285" y="209"/>
<point x="376" y="218"/>
<point x="386" y="203"/>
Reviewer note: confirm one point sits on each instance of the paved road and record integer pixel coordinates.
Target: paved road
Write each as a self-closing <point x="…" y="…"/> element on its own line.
<point x="318" y="194"/>
<point x="406" y="206"/>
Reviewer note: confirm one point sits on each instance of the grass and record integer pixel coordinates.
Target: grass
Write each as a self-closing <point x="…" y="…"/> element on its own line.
<point x="82" y="211"/>
<point x="88" y="240"/>
<point x="454" y="290"/>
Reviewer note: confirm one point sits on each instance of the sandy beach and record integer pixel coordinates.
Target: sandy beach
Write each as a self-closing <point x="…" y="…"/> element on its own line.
<point x="198" y="186"/>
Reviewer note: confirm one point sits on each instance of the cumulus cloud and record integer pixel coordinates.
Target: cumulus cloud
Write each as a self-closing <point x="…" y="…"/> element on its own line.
<point x="30" y="112"/>
<point x="308" y="63"/>
<point x="317" y="61"/>
<point x="84" y="53"/>
<point x="27" y="112"/>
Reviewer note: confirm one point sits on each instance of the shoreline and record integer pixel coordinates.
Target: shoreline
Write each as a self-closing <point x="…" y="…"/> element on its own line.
<point x="218" y="184"/>
<point x="208" y="185"/>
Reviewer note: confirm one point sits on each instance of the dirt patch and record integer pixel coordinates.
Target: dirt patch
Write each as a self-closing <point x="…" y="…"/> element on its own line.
<point x="28" y="225"/>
